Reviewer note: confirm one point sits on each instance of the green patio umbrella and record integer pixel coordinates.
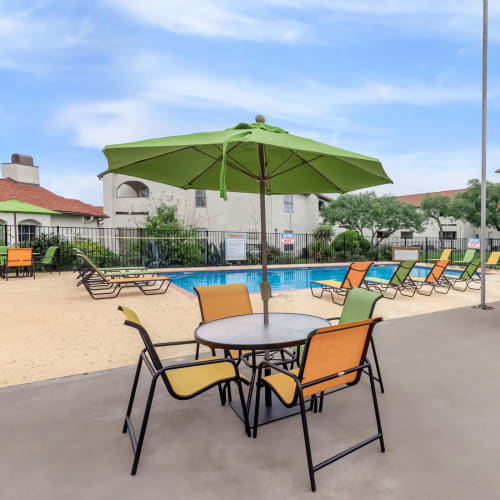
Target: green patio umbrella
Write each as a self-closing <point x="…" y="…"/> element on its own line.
<point x="21" y="207"/>
<point x="249" y="158"/>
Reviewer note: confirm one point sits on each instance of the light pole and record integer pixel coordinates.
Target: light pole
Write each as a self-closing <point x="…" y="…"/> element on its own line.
<point x="483" y="157"/>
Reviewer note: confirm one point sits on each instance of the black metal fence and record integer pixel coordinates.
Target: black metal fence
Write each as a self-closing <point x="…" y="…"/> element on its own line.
<point x="194" y="248"/>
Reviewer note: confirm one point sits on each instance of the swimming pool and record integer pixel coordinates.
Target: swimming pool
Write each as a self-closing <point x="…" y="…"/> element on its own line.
<point x="282" y="278"/>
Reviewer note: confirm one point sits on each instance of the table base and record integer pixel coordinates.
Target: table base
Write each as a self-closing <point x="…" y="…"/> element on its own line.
<point x="267" y="414"/>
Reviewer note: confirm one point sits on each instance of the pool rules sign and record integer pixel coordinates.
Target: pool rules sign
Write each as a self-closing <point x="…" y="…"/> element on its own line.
<point x="236" y="246"/>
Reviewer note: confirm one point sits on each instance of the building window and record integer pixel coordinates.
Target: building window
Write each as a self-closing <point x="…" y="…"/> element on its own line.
<point x="200" y="198"/>
<point x="288" y="203"/>
<point x="26" y="232"/>
<point x="380" y="235"/>
<point x="132" y="189"/>
<point x="449" y="235"/>
<point x="407" y="234"/>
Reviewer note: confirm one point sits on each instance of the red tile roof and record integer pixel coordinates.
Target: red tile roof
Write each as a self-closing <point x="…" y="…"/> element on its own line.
<point x="415" y="199"/>
<point x="42" y="197"/>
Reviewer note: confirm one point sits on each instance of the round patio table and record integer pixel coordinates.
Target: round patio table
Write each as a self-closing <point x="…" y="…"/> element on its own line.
<point x="248" y="332"/>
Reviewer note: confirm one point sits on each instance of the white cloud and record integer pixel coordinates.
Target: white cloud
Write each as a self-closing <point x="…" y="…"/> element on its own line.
<point x="222" y="18"/>
<point x="437" y="170"/>
<point x="72" y="183"/>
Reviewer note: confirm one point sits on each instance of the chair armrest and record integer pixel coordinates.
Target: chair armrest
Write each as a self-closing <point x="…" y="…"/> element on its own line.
<point x="272" y="366"/>
<point x="334" y="318"/>
<point x="178" y="342"/>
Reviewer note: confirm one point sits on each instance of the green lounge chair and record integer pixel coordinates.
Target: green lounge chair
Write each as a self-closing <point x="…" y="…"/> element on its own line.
<point x="469" y="255"/>
<point x="3" y="249"/>
<point x="468" y="277"/>
<point x="398" y="282"/>
<point x="50" y="259"/>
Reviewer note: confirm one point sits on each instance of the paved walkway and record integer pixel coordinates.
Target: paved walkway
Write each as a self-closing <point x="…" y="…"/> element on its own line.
<point x="62" y="439"/>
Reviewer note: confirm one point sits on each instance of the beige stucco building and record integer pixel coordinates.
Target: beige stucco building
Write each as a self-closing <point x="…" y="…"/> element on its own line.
<point x="128" y="200"/>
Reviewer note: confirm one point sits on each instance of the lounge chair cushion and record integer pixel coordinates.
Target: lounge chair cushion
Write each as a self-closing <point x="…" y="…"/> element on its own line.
<point x="329" y="283"/>
<point x="139" y="278"/>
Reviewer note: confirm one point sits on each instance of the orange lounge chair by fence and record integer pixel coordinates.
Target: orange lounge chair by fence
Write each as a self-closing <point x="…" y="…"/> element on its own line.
<point x="353" y="279"/>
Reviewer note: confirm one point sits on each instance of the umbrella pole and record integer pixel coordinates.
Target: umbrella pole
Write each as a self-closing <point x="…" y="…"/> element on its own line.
<point x="15" y="229"/>
<point x="265" y="286"/>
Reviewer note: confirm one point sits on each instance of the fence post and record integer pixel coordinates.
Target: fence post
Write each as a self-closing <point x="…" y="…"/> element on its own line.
<point x="426" y="248"/>
<point x="344" y="246"/>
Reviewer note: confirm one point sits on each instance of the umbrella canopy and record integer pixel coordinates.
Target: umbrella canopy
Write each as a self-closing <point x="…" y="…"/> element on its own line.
<point x="21" y="207"/>
<point x="248" y="158"/>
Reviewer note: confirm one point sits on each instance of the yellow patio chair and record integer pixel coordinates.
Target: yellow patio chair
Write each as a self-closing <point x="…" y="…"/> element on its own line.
<point x="334" y="359"/>
<point x="182" y="381"/>
<point x="445" y="255"/>
<point x="493" y="259"/>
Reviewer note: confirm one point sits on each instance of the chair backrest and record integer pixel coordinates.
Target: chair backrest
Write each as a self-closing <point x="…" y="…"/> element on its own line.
<point x="402" y="272"/>
<point x="471" y="268"/>
<point x="91" y="265"/>
<point x="3" y="249"/>
<point x="222" y="301"/>
<point x="356" y="274"/>
<point x="131" y="319"/>
<point x="469" y="255"/>
<point x="49" y="255"/>
<point x="332" y="350"/>
<point x="493" y="259"/>
<point x="437" y="271"/>
<point x="17" y="257"/>
<point x="446" y="254"/>
<point x="359" y="305"/>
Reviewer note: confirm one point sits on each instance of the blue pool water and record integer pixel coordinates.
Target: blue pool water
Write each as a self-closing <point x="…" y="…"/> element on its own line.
<point x="281" y="279"/>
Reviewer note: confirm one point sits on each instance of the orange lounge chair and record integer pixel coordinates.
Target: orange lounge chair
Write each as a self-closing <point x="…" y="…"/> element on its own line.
<point x="434" y="280"/>
<point x="353" y="279"/>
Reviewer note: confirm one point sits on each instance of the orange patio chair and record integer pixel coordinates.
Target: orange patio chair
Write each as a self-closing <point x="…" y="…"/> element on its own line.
<point x="334" y="359"/>
<point x="353" y="279"/>
<point x="19" y="258"/>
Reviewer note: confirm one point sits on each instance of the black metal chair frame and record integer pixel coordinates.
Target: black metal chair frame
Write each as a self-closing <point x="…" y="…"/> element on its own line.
<point x="301" y="401"/>
<point x="27" y="270"/>
<point x="158" y="370"/>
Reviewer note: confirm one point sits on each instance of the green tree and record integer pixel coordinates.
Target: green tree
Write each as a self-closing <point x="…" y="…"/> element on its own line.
<point x="466" y="206"/>
<point x="365" y="212"/>
<point x="435" y="207"/>
<point x="164" y="218"/>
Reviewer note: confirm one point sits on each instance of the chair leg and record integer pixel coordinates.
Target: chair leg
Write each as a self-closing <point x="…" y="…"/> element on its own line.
<point x="375" y="358"/>
<point x="321" y="399"/>
<point x="257" y="402"/>
<point x="244" y="408"/>
<point x="132" y="394"/>
<point x="137" y="454"/>
<point x="307" y="442"/>
<point x="375" y="406"/>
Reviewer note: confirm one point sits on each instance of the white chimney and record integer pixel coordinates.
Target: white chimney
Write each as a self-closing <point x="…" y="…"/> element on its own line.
<point x="22" y="170"/>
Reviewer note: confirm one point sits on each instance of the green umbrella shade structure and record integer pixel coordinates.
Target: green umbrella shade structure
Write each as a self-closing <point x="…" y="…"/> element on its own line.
<point x="21" y="207"/>
<point x="248" y="158"/>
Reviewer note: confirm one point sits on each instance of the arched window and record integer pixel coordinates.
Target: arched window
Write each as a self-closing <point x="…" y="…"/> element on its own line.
<point x="27" y="230"/>
<point x="132" y="189"/>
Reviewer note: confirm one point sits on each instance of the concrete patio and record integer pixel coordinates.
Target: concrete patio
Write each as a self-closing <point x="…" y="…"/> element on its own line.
<point x="62" y="438"/>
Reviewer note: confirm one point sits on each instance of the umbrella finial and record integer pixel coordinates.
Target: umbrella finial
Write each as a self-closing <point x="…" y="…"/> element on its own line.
<point x="260" y="119"/>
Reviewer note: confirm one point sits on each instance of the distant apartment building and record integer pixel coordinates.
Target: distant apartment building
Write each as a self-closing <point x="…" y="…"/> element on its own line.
<point x="128" y="200"/>
<point x="452" y="229"/>
<point x="21" y="180"/>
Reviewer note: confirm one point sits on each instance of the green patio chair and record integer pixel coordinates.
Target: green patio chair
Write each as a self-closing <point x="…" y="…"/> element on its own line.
<point x="3" y="249"/>
<point x="398" y="282"/>
<point x="468" y="277"/>
<point x="50" y="259"/>
<point x="469" y="255"/>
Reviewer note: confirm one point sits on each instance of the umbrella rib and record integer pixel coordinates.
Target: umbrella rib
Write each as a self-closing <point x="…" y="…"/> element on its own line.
<point x="294" y="153"/>
<point x="295" y="166"/>
<point x="319" y="173"/>
<point x="235" y="161"/>
<point x="212" y="165"/>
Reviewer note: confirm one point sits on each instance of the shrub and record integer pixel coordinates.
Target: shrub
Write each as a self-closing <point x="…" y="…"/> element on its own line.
<point x="321" y="249"/>
<point x="351" y="246"/>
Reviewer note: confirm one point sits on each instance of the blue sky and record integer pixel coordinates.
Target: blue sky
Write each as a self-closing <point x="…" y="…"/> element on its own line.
<point x="397" y="80"/>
